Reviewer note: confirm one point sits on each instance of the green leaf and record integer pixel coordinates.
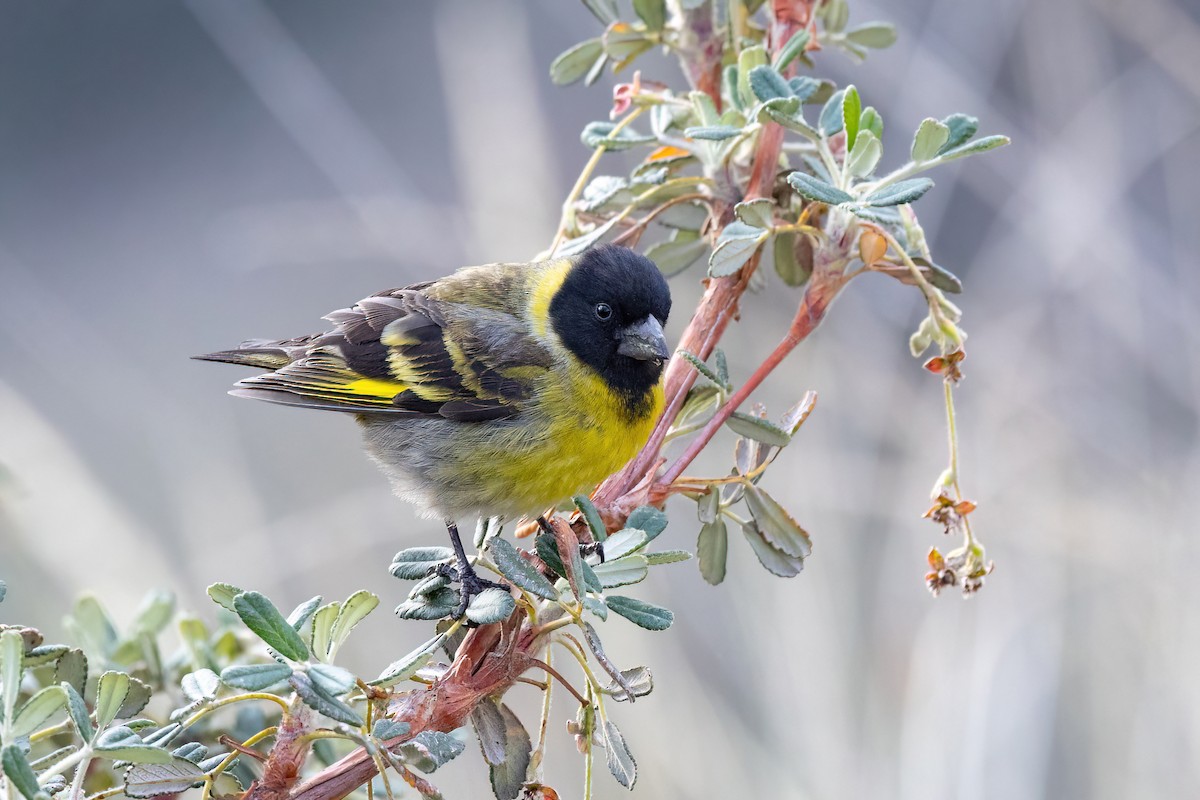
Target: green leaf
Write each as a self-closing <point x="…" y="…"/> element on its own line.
<point x="777" y="525"/>
<point x="591" y="515"/>
<point x="806" y="88"/>
<point x="508" y="776"/>
<point x="641" y="613"/>
<point x="152" y="780"/>
<point x="404" y="668"/>
<point x="962" y="127"/>
<point x="222" y="594"/>
<point x="20" y="774"/>
<point x="831" y="115"/>
<point x="72" y="668"/>
<point x="792" y="49"/>
<point x="929" y="139"/>
<point x="320" y="701"/>
<point x="851" y="114"/>
<point x="774" y="560"/>
<point x="387" y="729"/>
<point x="353" y="611"/>
<point x="596" y="606"/>
<point x="871" y="121"/>
<point x="603" y="10"/>
<point x="757" y="213"/>
<point x="620" y="761"/>
<point x="676" y="255"/>
<point x="705" y="371"/>
<point x="155" y="613"/>
<point x="37" y="709"/>
<point x="748" y="59"/>
<point x="876" y="35"/>
<point x="708" y="506"/>
<point x="438" y="604"/>
<point x="865" y="155"/>
<point x="651" y="12"/>
<point x="638" y="679"/>
<point x="92" y="626"/>
<point x="262" y="617"/>
<point x="623" y="43"/>
<point x="939" y="277"/>
<point x="135" y="699"/>
<point x="896" y="194"/>
<point x="110" y="695"/>
<point x="322" y="629"/>
<point x="200" y="685"/>
<point x="712" y="548"/>
<point x="813" y="189"/>
<point x="45" y="654"/>
<point x="255" y="677"/>
<point x="122" y="744"/>
<point x="767" y="84"/>
<point x="623" y="571"/>
<point x="302" y="613"/>
<point x="330" y="679"/>
<point x="758" y="429"/>
<point x="648" y="519"/>
<point x="604" y="134"/>
<point x="79" y="712"/>
<point x="573" y="64"/>
<point x="734" y="249"/>
<point x="3" y="591"/>
<point x="12" y="657"/>
<point x="787" y="260"/>
<point x="714" y="133"/>
<point x="429" y="750"/>
<point x="490" y="730"/>
<point x="978" y="146"/>
<point x="597" y="647"/>
<point x="624" y="542"/>
<point x="427" y="586"/>
<point x="416" y="562"/>
<point x="520" y="572"/>
<point x="667" y="557"/>
<point x="491" y="605"/>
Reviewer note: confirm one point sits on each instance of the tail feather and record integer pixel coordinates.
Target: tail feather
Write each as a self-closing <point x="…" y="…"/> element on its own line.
<point x="261" y="357"/>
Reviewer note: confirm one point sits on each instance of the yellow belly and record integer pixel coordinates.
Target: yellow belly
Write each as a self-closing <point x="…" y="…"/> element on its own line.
<point x="575" y="440"/>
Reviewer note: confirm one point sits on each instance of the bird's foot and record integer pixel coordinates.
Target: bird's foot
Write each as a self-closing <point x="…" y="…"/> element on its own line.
<point x="592" y="549"/>
<point x="469" y="584"/>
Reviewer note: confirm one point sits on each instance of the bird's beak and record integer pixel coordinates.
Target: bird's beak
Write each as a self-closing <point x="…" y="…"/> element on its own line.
<point x="644" y="340"/>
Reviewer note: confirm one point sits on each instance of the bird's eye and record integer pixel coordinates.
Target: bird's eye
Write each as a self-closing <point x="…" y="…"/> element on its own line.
<point x="603" y="312"/>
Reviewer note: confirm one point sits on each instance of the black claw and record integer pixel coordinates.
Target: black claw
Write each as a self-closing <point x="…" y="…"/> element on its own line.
<point x="592" y="548"/>
<point x="470" y="584"/>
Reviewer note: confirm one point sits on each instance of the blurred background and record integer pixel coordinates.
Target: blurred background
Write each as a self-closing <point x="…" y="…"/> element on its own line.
<point x="178" y="176"/>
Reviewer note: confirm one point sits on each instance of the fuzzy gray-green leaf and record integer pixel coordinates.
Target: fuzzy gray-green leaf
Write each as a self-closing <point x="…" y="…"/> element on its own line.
<point x="223" y="593"/>
<point x="930" y="137"/>
<point x="712" y="548"/>
<point x="20" y="774"/>
<point x="508" y="776"/>
<point x="876" y="35"/>
<point x="792" y="49"/>
<point x="620" y="761"/>
<point x="491" y="605"/>
<point x="255" y="677"/>
<point x="415" y="562"/>
<point x="519" y="571"/>
<point x="320" y="701"/>
<point x="110" y="694"/>
<point x="624" y="571"/>
<point x="896" y="194"/>
<point x="773" y="559"/>
<point x="648" y="519"/>
<point x="153" y="780"/>
<point x="407" y="666"/>
<point x="641" y="613"/>
<point x="977" y="146"/>
<point x="262" y="617"/>
<point x="574" y="63"/>
<point x="962" y="127"/>
<point x="830" y="121"/>
<point x="777" y="525"/>
<point x="758" y="429"/>
<point x="37" y="710"/>
<point x="815" y="189"/>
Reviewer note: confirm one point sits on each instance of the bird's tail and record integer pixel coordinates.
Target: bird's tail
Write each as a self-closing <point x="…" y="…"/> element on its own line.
<point x="261" y="353"/>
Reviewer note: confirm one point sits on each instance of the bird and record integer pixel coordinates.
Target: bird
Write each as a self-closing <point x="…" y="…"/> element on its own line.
<point x="497" y="391"/>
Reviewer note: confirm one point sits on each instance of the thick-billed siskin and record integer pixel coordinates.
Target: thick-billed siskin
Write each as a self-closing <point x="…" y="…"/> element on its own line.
<point x="499" y="390"/>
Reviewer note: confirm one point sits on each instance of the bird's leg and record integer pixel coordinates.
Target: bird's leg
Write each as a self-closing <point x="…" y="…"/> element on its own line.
<point x="470" y="584"/>
<point x="585" y="548"/>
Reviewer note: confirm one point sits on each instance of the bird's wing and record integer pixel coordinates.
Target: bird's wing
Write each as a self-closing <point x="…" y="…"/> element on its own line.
<point x="405" y="352"/>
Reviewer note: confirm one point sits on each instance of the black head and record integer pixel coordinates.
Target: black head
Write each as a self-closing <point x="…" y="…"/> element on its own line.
<point x="609" y="312"/>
